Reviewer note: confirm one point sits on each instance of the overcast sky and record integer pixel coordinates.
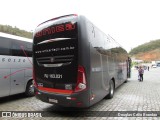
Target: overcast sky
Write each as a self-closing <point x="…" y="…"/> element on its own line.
<point x="129" y="22"/>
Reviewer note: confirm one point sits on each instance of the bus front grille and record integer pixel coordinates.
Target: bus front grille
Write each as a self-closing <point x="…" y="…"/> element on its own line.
<point x="55" y="61"/>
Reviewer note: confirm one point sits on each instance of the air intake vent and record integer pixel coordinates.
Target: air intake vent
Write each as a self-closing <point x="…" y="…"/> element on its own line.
<point x="55" y="61"/>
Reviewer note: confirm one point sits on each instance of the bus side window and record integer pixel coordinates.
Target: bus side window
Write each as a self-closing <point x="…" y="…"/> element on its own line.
<point x="5" y="46"/>
<point x="16" y="48"/>
<point x="29" y="49"/>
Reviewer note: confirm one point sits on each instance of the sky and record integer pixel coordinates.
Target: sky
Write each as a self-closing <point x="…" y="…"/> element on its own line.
<point x="129" y="22"/>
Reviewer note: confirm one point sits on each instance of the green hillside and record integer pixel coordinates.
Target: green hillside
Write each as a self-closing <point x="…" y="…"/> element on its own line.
<point x="15" y="31"/>
<point x="152" y="45"/>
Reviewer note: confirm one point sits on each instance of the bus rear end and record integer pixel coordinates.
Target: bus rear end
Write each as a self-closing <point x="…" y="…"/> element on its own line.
<point x="59" y="79"/>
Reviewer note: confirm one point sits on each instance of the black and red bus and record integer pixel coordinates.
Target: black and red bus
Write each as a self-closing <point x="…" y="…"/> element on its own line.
<point x="75" y="64"/>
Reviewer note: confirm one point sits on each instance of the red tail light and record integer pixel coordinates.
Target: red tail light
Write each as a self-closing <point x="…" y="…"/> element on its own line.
<point x="81" y="80"/>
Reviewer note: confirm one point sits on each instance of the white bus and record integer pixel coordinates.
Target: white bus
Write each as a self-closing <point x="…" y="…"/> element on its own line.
<point x="15" y="65"/>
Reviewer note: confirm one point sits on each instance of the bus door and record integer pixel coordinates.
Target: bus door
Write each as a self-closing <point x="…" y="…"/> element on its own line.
<point x="129" y="67"/>
<point x="4" y="67"/>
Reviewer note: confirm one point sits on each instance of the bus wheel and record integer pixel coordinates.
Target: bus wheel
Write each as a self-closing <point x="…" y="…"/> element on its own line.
<point x="111" y="89"/>
<point x="29" y="89"/>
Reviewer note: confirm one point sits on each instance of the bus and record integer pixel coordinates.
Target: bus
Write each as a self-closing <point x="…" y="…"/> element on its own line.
<point x="75" y="64"/>
<point x="15" y="65"/>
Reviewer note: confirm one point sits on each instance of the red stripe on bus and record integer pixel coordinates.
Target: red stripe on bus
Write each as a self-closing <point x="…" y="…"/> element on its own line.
<point x="55" y="90"/>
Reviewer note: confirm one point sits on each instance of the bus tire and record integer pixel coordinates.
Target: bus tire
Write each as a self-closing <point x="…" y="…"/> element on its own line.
<point x="29" y="89"/>
<point x="111" y="90"/>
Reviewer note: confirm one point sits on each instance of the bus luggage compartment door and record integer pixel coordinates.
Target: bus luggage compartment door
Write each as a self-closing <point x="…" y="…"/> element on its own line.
<point x="4" y="82"/>
<point x="17" y="81"/>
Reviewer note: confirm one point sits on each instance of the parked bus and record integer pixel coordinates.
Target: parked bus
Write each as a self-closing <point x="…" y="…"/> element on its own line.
<point x="75" y="64"/>
<point x="15" y="65"/>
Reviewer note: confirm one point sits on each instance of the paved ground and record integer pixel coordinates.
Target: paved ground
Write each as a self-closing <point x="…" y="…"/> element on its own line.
<point x="131" y="96"/>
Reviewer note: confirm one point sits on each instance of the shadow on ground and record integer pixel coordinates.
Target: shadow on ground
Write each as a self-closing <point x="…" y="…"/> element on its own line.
<point x="12" y="98"/>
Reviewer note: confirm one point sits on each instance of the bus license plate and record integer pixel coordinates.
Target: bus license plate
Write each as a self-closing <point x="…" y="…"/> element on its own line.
<point x="53" y="100"/>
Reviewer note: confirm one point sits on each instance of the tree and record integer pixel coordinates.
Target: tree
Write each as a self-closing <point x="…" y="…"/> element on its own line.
<point x="15" y="31"/>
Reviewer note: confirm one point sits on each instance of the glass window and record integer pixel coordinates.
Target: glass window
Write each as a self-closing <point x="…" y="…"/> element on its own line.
<point x="17" y="49"/>
<point x="5" y="46"/>
<point x="29" y="50"/>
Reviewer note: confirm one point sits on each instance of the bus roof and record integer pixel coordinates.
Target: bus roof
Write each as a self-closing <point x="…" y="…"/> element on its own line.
<point x="58" y="18"/>
<point x="5" y="35"/>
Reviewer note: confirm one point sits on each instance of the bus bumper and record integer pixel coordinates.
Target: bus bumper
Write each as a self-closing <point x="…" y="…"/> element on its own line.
<point x="80" y="99"/>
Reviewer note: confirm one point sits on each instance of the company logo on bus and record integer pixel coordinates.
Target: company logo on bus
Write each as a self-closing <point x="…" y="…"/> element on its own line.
<point x="55" y="29"/>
